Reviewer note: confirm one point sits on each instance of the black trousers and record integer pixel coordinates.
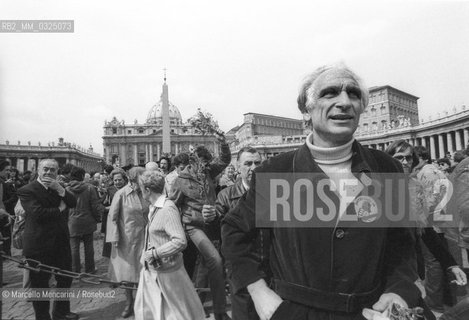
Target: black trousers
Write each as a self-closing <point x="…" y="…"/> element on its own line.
<point x="61" y="258"/>
<point x="5" y="230"/>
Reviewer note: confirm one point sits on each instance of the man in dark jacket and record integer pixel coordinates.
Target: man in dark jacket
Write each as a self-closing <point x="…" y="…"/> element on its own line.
<point x="83" y="219"/>
<point x="248" y="159"/>
<point x="193" y="192"/>
<point x="331" y="272"/>
<point x="9" y="199"/>
<point x="46" y="237"/>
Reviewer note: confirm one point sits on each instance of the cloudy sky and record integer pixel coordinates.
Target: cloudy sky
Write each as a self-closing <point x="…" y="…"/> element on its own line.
<point x="228" y="58"/>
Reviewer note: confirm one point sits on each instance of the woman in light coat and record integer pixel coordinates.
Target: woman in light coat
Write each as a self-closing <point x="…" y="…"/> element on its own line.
<point x="126" y="223"/>
<point x="165" y="291"/>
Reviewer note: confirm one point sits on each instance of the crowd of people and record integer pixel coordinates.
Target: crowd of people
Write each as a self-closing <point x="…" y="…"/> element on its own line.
<point x="189" y="221"/>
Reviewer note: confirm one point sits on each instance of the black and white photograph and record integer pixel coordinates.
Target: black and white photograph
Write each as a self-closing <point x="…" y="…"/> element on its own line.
<point x="234" y="160"/>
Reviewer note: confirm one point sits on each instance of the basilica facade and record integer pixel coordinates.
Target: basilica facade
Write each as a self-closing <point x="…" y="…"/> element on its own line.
<point x="138" y="143"/>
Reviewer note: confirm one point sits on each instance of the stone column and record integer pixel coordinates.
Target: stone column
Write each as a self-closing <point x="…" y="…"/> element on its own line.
<point x="449" y="141"/>
<point x="107" y="153"/>
<point x="441" y="146"/>
<point x="432" y="147"/>
<point x="459" y="145"/>
<point x="151" y="152"/>
<point x="158" y="151"/>
<point x="424" y="142"/>
<point x="136" y="154"/>
<point x="25" y="164"/>
<point x="176" y="148"/>
<point x="466" y="139"/>
<point x="14" y="162"/>
<point x="122" y="154"/>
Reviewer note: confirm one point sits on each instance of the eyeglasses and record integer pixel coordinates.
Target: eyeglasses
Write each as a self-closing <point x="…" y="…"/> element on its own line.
<point x="401" y="158"/>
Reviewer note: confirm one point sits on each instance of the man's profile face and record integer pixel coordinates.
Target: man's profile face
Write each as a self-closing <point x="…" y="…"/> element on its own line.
<point x="335" y="108"/>
<point x="48" y="169"/>
<point x="180" y="167"/>
<point x="247" y="163"/>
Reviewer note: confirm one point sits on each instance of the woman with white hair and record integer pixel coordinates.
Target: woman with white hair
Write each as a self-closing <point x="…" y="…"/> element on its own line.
<point x="165" y="291"/>
<point x="126" y="223"/>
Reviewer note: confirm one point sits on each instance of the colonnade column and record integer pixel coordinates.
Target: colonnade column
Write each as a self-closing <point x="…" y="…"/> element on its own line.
<point x="449" y="142"/>
<point x="25" y="164"/>
<point x="459" y="145"/>
<point x="432" y="147"/>
<point x="136" y="155"/>
<point x="151" y="152"/>
<point x="466" y="138"/>
<point x="441" y="146"/>
<point x="424" y="142"/>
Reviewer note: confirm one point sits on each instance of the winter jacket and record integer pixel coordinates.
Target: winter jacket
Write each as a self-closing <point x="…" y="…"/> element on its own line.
<point x="190" y="193"/>
<point x="458" y="205"/>
<point x="84" y="217"/>
<point x="331" y="262"/>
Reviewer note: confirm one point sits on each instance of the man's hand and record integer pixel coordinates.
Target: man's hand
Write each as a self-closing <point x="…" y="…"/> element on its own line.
<point x="115" y="243"/>
<point x="208" y="213"/>
<point x="220" y="136"/>
<point x="374" y="315"/>
<point x="266" y="301"/>
<point x="380" y="308"/>
<point x="6" y="216"/>
<point x="54" y="185"/>
<point x="461" y="278"/>
<point x="148" y="255"/>
<point x="62" y="206"/>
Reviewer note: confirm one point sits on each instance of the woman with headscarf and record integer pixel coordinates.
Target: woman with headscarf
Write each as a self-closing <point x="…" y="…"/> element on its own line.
<point x="165" y="291"/>
<point x="126" y="223"/>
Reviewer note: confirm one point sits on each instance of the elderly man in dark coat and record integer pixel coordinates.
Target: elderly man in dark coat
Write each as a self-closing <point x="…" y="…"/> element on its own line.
<point x="248" y="159"/>
<point x="46" y="237"/>
<point x="332" y="272"/>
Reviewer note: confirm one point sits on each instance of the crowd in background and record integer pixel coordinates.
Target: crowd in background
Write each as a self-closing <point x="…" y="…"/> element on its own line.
<point x="180" y="247"/>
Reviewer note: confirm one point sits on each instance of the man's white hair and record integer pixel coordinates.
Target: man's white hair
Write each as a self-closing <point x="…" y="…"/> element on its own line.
<point x="43" y="161"/>
<point x="307" y="96"/>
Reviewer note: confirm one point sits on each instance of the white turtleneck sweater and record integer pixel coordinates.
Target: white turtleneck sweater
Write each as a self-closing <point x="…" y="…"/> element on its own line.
<point x="336" y="162"/>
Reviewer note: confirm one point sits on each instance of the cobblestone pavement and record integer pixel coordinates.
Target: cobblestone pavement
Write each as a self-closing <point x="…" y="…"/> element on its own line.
<point x="88" y="308"/>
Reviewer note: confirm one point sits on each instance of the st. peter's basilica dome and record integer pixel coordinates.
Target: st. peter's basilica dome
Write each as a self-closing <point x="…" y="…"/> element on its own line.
<point x="155" y="116"/>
